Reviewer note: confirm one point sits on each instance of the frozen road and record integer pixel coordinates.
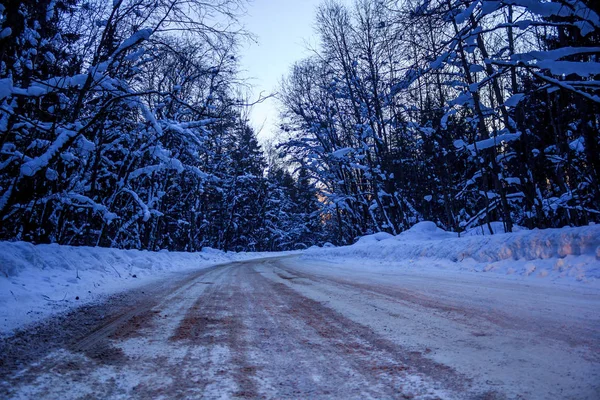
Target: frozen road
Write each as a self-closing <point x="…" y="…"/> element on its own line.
<point x="293" y="328"/>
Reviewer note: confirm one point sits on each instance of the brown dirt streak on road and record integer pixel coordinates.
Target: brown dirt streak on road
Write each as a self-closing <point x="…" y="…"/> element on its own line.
<point x="134" y="319"/>
<point x="188" y="376"/>
<point x="352" y="339"/>
<point x="216" y="314"/>
<point x="277" y="328"/>
<point x="87" y="329"/>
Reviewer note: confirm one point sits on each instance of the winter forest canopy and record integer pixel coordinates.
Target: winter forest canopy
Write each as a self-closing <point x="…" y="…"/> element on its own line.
<point x="124" y="123"/>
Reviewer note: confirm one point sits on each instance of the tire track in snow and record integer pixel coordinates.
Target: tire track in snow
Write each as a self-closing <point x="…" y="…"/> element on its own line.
<point x="331" y="355"/>
<point x="532" y="356"/>
<point x="470" y="316"/>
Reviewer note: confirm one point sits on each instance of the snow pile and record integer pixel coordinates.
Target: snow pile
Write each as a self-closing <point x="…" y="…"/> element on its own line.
<point x="426" y="230"/>
<point x="376" y="237"/>
<point x="566" y="254"/>
<point x="39" y="280"/>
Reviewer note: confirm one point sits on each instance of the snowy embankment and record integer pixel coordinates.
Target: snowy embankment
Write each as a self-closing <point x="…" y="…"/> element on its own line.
<point x="558" y="255"/>
<point x="37" y="281"/>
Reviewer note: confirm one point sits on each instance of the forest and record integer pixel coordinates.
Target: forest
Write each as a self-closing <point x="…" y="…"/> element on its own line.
<point x="124" y="123"/>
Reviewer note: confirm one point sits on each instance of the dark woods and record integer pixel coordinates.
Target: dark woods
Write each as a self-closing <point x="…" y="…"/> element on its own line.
<point x="122" y="123"/>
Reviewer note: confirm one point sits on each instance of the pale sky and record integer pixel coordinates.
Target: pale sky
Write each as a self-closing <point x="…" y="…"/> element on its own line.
<point x="283" y="28"/>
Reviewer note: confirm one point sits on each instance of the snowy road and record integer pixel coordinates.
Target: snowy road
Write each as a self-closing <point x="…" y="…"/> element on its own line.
<point x="294" y="328"/>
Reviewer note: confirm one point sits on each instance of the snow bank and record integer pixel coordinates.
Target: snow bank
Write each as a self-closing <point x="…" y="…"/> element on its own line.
<point x="566" y="254"/>
<point x="39" y="280"/>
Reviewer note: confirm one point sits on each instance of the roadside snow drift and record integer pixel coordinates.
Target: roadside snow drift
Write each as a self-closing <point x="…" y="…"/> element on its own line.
<point x="566" y="254"/>
<point x="39" y="280"/>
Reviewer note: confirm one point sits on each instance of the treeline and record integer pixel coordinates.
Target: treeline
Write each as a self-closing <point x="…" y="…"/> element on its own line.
<point x="462" y="112"/>
<point x="122" y="125"/>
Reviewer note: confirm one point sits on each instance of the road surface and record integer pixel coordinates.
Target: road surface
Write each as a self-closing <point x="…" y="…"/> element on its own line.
<point x="293" y="328"/>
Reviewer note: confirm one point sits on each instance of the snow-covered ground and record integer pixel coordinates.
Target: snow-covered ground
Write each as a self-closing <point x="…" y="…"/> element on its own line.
<point x="423" y="313"/>
<point x="566" y="255"/>
<point x="37" y="281"/>
<point x="289" y="328"/>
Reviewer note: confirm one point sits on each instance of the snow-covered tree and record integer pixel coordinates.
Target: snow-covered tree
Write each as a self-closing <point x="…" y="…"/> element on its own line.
<point x="462" y="112"/>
